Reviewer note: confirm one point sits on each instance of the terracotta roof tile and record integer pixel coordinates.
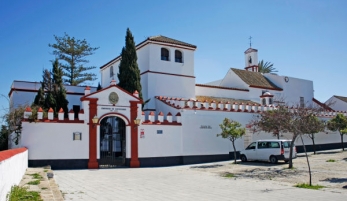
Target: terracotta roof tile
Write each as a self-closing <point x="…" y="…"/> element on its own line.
<point x="255" y="79"/>
<point x="165" y="39"/>
<point x="210" y="99"/>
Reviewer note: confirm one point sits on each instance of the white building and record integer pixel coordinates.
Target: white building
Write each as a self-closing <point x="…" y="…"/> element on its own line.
<point x="178" y="125"/>
<point x="337" y="103"/>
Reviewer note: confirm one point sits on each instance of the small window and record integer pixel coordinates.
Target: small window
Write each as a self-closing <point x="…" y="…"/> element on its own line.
<point x="286" y="144"/>
<point x="178" y="56"/>
<point x="273" y="145"/>
<point x="302" y="102"/>
<point x="270" y="101"/>
<point x="111" y="71"/>
<point x="262" y="145"/>
<point x="164" y="54"/>
<point x="264" y="101"/>
<point x="251" y="146"/>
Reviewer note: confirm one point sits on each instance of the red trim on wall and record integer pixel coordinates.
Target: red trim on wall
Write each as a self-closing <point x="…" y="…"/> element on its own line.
<point x="92" y="163"/>
<point x="134" y="160"/>
<point x="155" y="72"/>
<point x="218" y="87"/>
<point x="56" y="120"/>
<point x="11" y="152"/>
<point x="86" y="97"/>
<point x="260" y="87"/>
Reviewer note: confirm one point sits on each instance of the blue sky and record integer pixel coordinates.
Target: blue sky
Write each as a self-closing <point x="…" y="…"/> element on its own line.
<point x="303" y="38"/>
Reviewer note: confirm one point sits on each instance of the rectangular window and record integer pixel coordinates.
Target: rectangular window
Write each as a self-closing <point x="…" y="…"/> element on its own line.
<point x="302" y="102"/>
<point x="77" y="136"/>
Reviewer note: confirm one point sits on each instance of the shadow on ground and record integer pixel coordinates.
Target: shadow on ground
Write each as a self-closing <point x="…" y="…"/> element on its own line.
<point x="335" y="180"/>
<point x="261" y="163"/>
<point x="207" y="166"/>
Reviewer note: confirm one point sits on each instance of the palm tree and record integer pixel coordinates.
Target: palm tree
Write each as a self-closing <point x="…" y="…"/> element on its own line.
<point x="266" y="67"/>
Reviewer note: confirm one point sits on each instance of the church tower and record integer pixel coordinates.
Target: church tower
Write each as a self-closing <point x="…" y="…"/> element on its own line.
<point x="251" y="58"/>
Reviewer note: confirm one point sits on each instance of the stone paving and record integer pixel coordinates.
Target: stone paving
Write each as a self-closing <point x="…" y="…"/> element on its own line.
<point x="47" y="188"/>
<point x="177" y="183"/>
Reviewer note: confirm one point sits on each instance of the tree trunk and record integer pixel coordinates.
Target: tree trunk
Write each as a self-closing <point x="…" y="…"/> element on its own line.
<point x="291" y="152"/>
<point x="234" y="152"/>
<point x="314" y="145"/>
<point x="343" y="148"/>
<point x="308" y="163"/>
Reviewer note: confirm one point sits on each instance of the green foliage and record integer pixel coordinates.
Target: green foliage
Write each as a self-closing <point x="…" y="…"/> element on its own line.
<point x="35" y="182"/>
<point x="339" y="123"/>
<point x="229" y="175"/>
<point x="314" y="125"/>
<point x="99" y="87"/>
<point x="274" y="121"/>
<point x="266" y="67"/>
<point x="231" y="130"/>
<point x="4" y="138"/>
<point x="22" y="194"/>
<point x="73" y="53"/>
<point x="129" y="73"/>
<point x="304" y="185"/>
<point x="55" y="97"/>
<point x="36" y="176"/>
<point x="331" y="160"/>
<point x="40" y="97"/>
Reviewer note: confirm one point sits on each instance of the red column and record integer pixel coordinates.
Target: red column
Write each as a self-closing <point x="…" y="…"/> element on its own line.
<point x="134" y="161"/>
<point x="92" y="163"/>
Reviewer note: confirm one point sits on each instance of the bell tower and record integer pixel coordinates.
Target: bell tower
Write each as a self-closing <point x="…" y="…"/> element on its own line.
<point x="251" y="58"/>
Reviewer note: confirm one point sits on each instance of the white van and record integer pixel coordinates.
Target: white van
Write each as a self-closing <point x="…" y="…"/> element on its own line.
<point x="268" y="150"/>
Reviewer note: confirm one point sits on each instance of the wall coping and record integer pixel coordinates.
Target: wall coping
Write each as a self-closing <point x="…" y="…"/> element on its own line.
<point x="11" y="152"/>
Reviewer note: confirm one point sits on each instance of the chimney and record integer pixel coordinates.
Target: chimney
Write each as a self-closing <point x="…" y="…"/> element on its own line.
<point x="87" y="90"/>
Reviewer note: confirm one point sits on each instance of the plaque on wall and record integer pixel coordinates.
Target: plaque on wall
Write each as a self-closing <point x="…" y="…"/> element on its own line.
<point x="113" y="98"/>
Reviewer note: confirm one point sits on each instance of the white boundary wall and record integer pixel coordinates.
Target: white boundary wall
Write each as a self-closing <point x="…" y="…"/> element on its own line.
<point x="12" y="169"/>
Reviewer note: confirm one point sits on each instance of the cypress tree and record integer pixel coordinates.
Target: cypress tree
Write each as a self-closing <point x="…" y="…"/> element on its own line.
<point x="52" y="93"/>
<point x="99" y="87"/>
<point x="59" y="92"/>
<point x="40" y="97"/>
<point x="129" y="73"/>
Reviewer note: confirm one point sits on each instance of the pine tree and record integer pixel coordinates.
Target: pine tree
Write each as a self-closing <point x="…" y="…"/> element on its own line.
<point x="129" y="73"/>
<point x="74" y="52"/>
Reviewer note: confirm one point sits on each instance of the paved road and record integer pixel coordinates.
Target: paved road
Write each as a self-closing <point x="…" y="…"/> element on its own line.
<point x="177" y="183"/>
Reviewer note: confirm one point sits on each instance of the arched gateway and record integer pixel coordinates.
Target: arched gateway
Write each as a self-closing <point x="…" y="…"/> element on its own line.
<point x="112" y="142"/>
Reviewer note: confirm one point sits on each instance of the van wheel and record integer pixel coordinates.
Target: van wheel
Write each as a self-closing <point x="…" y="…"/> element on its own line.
<point x="243" y="158"/>
<point x="273" y="159"/>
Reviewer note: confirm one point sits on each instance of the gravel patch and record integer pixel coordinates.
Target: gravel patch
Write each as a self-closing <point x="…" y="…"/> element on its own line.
<point x="332" y="175"/>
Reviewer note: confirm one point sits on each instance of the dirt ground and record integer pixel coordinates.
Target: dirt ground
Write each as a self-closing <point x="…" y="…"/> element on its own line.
<point x="332" y="175"/>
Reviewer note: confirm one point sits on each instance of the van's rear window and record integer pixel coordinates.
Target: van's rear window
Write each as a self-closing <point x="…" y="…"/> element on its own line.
<point x="286" y="144"/>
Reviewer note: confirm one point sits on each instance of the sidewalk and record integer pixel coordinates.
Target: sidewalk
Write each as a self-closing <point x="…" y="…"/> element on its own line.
<point x="177" y="183"/>
<point x="48" y="189"/>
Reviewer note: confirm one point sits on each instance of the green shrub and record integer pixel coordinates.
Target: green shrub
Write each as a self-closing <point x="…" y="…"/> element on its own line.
<point x="331" y="160"/>
<point x="303" y="185"/>
<point x="35" y="182"/>
<point x="22" y="194"/>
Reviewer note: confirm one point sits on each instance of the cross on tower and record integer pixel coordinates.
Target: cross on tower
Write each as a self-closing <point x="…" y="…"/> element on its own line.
<point x="250" y="41"/>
